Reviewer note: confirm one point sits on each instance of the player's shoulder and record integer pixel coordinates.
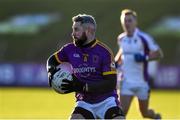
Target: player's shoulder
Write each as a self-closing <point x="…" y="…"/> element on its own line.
<point x="66" y="47"/>
<point x="104" y="47"/>
<point x="145" y="35"/>
<point x="121" y="36"/>
<point x="69" y="45"/>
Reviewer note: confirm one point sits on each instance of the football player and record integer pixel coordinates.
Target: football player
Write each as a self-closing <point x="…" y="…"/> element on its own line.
<point x="94" y="78"/>
<point x="136" y="49"/>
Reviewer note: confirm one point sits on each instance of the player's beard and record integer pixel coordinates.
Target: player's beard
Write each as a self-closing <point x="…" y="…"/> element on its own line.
<point x="80" y="42"/>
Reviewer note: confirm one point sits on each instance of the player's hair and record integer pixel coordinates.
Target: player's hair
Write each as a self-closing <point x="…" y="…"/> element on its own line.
<point x="128" y="12"/>
<point x="85" y="19"/>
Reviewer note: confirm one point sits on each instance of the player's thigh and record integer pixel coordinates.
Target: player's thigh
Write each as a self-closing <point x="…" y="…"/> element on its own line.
<point x="143" y="92"/>
<point x="114" y="113"/>
<point x="81" y="113"/>
<point x="126" y="95"/>
<point x="126" y="88"/>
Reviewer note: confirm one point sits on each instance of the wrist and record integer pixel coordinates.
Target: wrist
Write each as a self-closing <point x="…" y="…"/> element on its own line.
<point x="79" y="86"/>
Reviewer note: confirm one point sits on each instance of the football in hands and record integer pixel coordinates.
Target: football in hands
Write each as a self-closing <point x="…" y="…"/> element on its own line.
<point x="65" y="72"/>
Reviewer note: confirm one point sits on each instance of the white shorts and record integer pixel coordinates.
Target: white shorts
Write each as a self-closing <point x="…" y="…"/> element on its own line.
<point x="99" y="109"/>
<point x="139" y="90"/>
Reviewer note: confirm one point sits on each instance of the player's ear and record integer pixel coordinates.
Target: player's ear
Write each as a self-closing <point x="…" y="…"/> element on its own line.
<point x="136" y="23"/>
<point x="90" y="30"/>
<point x="86" y="29"/>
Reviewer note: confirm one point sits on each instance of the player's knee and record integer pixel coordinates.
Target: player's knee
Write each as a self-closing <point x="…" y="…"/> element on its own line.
<point x="81" y="113"/>
<point x="114" y="113"/>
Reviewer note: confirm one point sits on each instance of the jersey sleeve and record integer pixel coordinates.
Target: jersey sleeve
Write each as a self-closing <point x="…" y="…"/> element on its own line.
<point x="153" y="46"/>
<point x="108" y="66"/>
<point x="119" y="38"/>
<point x="61" y="55"/>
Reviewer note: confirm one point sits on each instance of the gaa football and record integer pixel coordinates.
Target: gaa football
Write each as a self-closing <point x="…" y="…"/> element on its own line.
<point x="65" y="72"/>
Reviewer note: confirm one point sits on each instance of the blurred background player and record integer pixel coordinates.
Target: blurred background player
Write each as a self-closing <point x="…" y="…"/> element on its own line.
<point x="94" y="79"/>
<point x="136" y="49"/>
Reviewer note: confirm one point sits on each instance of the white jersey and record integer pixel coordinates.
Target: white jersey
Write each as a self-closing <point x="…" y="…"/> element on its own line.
<point x="132" y="71"/>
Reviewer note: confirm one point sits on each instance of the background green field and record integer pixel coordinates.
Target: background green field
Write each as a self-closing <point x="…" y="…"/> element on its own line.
<point x="44" y="103"/>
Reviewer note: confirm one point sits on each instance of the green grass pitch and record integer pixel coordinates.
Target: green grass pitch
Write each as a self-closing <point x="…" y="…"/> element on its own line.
<point x="43" y="103"/>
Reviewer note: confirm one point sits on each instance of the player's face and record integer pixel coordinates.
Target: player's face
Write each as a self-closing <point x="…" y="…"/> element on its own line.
<point x="78" y="34"/>
<point x="129" y="23"/>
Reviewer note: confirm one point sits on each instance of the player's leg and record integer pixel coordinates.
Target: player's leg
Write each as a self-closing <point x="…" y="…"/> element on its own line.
<point x="125" y="102"/>
<point x="126" y="96"/>
<point x="108" y="109"/>
<point x="143" y="95"/>
<point x="81" y="113"/>
<point x="114" y="113"/>
<point x="147" y="113"/>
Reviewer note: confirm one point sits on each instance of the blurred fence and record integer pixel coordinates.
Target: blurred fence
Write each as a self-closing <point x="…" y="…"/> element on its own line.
<point x="167" y="77"/>
<point x="23" y="75"/>
<point x="32" y="74"/>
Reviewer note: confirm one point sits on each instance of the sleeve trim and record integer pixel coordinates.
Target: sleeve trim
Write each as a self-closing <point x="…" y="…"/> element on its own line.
<point x="57" y="58"/>
<point x="109" y="72"/>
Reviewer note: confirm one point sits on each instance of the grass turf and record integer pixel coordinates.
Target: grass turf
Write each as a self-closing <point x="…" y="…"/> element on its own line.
<point x="43" y="103"/>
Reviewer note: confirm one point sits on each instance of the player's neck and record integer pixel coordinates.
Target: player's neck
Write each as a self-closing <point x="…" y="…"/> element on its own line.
<point x="130" y="33"/>
<point x="90" y="43"/>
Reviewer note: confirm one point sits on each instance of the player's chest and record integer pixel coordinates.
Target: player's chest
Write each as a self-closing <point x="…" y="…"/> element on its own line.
<point x="132" y="45"/>
<point x="85" y="58"/>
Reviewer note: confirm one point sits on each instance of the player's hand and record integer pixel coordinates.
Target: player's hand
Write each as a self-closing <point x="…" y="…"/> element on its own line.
<point x="73" y="86"/>
<point x="51" y="72"/>
<point x="140" y="58"/>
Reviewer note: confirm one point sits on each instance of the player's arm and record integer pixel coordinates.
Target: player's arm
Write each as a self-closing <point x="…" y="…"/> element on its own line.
<point x="118" y="58"/>
<point x="51" y="67"/>
<point x="102" y="86"/>
<point x="108" y="72"/>
<point x="155" y="52"/>
<point x="118" y="55"/>
<point x="54" y="60"/>
<point x="106" y="85"/>
<point x="155" y="55"/>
